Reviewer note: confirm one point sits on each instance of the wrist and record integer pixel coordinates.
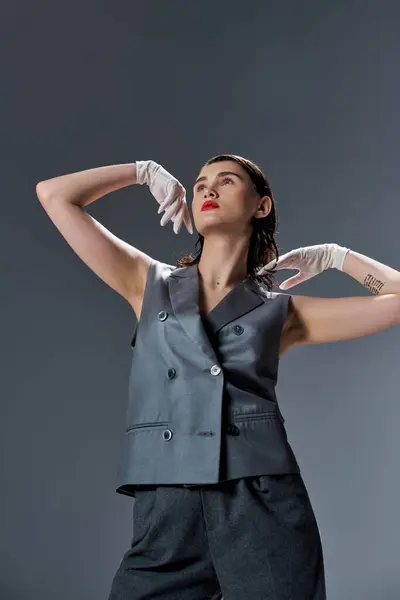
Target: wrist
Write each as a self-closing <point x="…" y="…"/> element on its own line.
<point x="134" y="177"/>
<point x="145" y="171"/>
<point x="338" y="254"/>
<point x="141" y="171"/>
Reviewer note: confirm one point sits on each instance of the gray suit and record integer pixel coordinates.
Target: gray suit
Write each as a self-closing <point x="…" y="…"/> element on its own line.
<point x="202" y="405"/>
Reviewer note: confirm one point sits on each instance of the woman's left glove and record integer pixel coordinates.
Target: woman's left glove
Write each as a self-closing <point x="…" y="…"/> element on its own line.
<point x="310" y="261"/>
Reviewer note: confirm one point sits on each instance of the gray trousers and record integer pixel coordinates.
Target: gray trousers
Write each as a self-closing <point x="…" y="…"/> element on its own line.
<point x="254" y="538"/>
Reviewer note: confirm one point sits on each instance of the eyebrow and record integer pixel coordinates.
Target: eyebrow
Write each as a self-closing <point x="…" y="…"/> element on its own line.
<point x="221" y="174"/>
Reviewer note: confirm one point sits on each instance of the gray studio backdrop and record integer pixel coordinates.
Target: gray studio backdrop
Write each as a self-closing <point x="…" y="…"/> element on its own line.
<point x="310" y="91"/>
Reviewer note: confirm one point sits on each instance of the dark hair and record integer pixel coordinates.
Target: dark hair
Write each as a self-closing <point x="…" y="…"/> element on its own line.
<point x="262" y="246"/>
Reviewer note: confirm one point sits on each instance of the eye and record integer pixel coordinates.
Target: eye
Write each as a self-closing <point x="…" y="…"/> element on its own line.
<point x="223" y="181"/>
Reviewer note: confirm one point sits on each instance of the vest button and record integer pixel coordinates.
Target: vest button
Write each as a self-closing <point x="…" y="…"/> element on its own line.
<point x="162" y="315"/>
<point x="238" y="329"/>
<point x="233" y="430"/>
<point x="167" y="434"/>
<point x="171" y="373"/>
<point x="215" y="370"/>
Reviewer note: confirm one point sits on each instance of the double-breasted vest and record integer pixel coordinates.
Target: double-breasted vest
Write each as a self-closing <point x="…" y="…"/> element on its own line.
<point x="202" y="406"/>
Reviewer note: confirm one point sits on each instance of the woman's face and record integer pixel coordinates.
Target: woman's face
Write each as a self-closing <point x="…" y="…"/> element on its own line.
<point x="224" y="199"/>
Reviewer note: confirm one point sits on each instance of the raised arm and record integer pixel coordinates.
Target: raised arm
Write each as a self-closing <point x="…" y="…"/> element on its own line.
<point x="320" y="320"/>
<point x="119" y="264"/>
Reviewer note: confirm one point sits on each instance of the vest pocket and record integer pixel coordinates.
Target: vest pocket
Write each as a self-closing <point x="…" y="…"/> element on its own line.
<point x="146" y="426"/>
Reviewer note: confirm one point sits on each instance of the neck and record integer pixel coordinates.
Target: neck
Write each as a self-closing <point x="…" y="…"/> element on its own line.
<point x="223" y="261"/>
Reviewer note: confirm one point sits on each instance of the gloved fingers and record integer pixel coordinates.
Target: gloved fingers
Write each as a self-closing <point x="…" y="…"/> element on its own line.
<point x="286" y="261"/>
<point x="173" y="206"/>
<point x="290" y="260"/>
<point x="175" y="191"/>
<point x="170" y="212"/>
<point x="267" y="267"/>
<point x="169" y="199"/>
<point x="182" y="217"/>
<point x="295" y="280"/>
<point x="186" y="218"/>
<point x="178" y="220"/>
<point x="274" y="264"/>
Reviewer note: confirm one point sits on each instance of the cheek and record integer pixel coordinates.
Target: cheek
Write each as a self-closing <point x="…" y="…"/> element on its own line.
<point x="240" y="203"/>
<point x="196" y="203"/>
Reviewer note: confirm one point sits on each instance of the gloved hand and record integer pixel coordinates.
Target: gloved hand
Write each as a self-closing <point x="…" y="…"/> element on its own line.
<point x="169" y="193"/>
<point x="310" y="261"/>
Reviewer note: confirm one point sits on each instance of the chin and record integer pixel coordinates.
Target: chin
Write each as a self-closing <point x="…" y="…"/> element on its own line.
<point x="207" y="229"/>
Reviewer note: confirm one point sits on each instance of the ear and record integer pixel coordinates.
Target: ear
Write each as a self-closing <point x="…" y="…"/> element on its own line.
<point x="264" y="207"/>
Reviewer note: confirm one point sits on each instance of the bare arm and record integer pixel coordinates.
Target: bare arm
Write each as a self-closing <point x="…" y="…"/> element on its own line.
<point x="84" y="187"/>
<point x="320" y="320"/>
<point x="120" y="265"/>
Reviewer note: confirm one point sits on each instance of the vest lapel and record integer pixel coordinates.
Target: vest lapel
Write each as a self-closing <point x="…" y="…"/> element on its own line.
<point x="240" y="300"/>
<point x="184" y="295"/>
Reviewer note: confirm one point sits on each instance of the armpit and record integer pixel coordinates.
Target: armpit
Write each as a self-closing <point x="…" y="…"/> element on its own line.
<point x="292" y="331"/>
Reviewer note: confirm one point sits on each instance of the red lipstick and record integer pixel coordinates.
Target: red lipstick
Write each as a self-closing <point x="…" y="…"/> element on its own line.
<point x="209" y="205"/>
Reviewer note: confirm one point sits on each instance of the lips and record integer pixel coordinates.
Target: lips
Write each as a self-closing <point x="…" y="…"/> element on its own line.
<point x="209" y="205"/>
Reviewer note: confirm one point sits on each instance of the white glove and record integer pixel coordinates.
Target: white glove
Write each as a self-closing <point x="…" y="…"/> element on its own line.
<point x="310" y="261"/>
<point x="169" y="193"/>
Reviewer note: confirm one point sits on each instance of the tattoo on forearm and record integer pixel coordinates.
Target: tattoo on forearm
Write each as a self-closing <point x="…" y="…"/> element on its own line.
<point x="373" y="284"/>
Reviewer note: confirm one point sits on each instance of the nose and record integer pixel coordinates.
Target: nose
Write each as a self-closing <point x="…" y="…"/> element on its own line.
<point x="210" y="193"/>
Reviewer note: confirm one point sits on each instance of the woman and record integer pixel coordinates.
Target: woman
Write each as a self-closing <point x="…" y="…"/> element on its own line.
<point x="221" y="507"/>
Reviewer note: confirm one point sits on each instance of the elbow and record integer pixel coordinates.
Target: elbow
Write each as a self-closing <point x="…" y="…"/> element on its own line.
<point x="41" y="192"/>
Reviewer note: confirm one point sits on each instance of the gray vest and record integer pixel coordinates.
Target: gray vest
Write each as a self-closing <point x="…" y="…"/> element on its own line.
<point x="202" y="406"/>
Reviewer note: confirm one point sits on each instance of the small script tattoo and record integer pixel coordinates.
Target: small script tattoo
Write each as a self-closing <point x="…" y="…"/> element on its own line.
<point x="373" y="284"/>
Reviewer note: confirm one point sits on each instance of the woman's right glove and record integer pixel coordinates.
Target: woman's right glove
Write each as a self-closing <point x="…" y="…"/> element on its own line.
<point x="169" y="193"/>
